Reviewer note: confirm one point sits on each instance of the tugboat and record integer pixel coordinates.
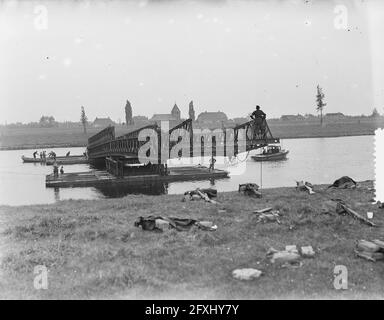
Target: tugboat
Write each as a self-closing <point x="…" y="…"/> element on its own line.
<point x="271" y="153"/>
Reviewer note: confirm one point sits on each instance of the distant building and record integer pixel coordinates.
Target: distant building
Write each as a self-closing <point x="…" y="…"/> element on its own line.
<point x="173" y="117"/>
<point x="286" y="117"/>
<point x="240" y="120"/>
<point x="140" y="118"/>
<point x="103" y="122"/>
<point x="310" y="116"/>
<point x="212" y="117"/>
<point x="128" y="114"/>
<point x="176" y="112"/>
<point x="292" y="117"/>
<point x="191" y="111"/>
<point x="163" y="117"/>
<point x="335" y="114"/>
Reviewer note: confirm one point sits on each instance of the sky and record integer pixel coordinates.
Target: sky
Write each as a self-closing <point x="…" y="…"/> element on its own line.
<point x="224" y="55"/>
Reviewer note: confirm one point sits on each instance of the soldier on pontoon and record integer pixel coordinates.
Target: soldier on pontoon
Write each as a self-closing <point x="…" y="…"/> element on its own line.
<point x="258" y="116"/>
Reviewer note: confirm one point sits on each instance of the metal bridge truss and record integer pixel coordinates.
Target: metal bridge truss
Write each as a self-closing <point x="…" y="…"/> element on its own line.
<point x="104" y="144"/>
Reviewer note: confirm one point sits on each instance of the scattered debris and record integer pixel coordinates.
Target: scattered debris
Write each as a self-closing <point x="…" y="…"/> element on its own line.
<point x="341" y="208"/>
<point x="250" y="189"/>
<point x="344" y="182"/>
<point x="307" y="252"/>
<point x="370" y="250"/>
<point x="291" y="248"/>
<point x="304" y="186"/>
<point x="162" y="224"/>
<point x="283" y="257"/>
<point x="379" y="243"/>
<point x="205" y="197"/>
<point x="364" y="245"/>
<point x="198" y="194"/>
<point x="267" y="215"/>
<point x="206" y="225"/>
<point x="246" y="274"/>
<point x="291" y="255"/>
<point x="270" y="216"/>
<point x="157" y="223"/>
<point x="371" y="256"/>
<point x="263" y="210"/>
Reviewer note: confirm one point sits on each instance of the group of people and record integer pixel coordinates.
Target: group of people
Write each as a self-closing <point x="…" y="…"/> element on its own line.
<point x="43" y="155"/>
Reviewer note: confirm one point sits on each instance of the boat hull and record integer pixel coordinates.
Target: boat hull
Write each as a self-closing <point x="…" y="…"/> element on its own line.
<point x="31" y="160"/>
<point x="59" y="160"/>
<point x="271" y="157"/>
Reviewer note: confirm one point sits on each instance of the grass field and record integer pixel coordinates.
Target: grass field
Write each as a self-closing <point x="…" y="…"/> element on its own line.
<point x="92" y="249"/>
<point x="314" y="130"/>
<point x="30" y="138"/>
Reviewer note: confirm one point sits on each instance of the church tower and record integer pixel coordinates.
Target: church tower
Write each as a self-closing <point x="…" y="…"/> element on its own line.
<point x="176" y="112"/>
<point x="191" y="111"/>
<point x="128" y="114"/>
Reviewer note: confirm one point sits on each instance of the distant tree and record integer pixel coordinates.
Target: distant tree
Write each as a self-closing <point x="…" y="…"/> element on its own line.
<point x="320" y="102"/>
<point x="191" y="111"/>
<point x="83" y="119"/>
<point x="47" y="121"/>
<point x="375" y="113"/>
<point x="128" y="113"/>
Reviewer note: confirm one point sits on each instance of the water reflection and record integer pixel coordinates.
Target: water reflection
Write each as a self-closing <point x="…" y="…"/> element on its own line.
<point x="118" y="191"/>
<point x="56" y="192"/>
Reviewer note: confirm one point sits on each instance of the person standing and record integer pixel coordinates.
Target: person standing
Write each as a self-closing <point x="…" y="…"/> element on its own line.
<point x="62" y="170"/>
<point x="212" y="164"/>
<point x="259" y="117"/>
<point x="55" y="170"/>
<point x="258" y="114"/>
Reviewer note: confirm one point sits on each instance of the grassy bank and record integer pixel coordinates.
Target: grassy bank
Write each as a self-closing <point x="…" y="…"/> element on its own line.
<point x="290" y="130"/>
<point x="92" y="249"/>
<point x="33" y="138"/>
<point x="30" y="138"/>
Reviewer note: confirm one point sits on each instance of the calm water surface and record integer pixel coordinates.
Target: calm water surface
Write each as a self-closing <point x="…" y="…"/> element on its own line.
<point x="318" y="160"/>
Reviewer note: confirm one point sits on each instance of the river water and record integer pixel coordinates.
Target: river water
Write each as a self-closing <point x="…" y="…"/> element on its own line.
<point x="317" y="160"/>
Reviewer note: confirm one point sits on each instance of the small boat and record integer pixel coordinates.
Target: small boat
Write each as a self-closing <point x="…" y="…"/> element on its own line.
<point x="60" y="160"/>
<point x="271" y="153"/>
<point x="30" y="160"/>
